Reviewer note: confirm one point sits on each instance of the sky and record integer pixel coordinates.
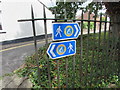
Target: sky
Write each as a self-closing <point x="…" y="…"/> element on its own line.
<point x="46" y="2"/>
<point x="51" y="3"/>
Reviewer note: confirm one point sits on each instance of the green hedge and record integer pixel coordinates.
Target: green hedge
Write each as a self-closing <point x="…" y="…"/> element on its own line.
<point x="85" y="25"/>
<point x="98" y="71"/>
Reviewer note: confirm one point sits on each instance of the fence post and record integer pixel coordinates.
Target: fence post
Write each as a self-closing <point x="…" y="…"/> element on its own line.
<point x="93" y="48"/>
<point x="45" y="26"/>
<point x="105" y="48"/>
<point x="88" y="40"/>
<point x="35" y="44"/>
<point x="81" y="47"/>
<point x="74" y="63"/>
<point x="46" y="39"/>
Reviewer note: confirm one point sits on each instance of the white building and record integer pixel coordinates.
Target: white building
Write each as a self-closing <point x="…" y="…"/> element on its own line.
<point x="14" y="10"/>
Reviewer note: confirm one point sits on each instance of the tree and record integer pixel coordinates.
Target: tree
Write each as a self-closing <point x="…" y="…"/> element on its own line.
<point x="66" y="9"/>
<point x="69" y="9"/>
<point x="113" y="10"/>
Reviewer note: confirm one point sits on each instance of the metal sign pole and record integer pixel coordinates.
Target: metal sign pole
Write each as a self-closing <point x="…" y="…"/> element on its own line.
<point x="35" y="44"/>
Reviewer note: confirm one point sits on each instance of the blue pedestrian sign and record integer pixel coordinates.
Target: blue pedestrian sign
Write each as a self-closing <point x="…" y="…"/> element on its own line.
<point x="62" y="31"/>
<point x="61" y="49"/>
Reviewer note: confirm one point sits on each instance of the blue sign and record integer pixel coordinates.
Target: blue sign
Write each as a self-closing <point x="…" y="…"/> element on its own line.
<point x="61" y="49"/>
<point x="62" y="31"/>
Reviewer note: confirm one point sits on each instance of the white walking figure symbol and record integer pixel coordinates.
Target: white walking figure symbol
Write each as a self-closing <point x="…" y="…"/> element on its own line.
<point x="58" y="32"/>
<point x="70" y="47"/>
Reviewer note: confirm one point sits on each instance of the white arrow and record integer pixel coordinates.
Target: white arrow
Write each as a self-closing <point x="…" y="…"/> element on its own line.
<point x="76" y="30"/>
<point x="51" y="51"/>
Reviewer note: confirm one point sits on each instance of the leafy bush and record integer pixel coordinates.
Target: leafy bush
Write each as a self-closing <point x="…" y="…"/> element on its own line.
<point x="85" y="25"/>
<point x="90" y="72"/>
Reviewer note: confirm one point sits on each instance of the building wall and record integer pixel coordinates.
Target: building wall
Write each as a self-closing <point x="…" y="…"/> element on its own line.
<point x="13" y="11"/>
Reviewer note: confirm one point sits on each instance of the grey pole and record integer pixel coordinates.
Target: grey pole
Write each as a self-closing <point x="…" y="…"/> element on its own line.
<point x="35" y="44"/>
<point x="46" y="39"/>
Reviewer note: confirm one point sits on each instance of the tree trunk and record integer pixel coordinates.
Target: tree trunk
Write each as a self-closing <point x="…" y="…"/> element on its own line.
<point x="115" y="29"/>
<point x="113" y="10"/>
<point x="115" y="25"/>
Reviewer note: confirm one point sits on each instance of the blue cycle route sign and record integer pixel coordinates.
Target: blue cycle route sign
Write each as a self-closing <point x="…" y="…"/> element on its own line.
<point x="61" y="49"/>
<point x="62" y="31"/>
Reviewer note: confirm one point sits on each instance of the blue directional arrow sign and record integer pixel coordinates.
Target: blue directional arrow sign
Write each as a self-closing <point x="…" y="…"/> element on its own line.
<point x="61" y="49"/>
<point x="62" y="31"/>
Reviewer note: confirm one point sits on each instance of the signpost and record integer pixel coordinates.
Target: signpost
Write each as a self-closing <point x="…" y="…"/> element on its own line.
<point x="63" y="31"/>
<point x="61" y="49"/>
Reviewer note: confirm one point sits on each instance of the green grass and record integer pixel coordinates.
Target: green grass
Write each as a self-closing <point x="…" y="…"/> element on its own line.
<point x="92" y="71"/>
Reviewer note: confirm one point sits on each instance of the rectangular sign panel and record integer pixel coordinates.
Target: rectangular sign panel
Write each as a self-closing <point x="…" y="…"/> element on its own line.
<point x="62" y="31"/>
<point x="61" y="49"/>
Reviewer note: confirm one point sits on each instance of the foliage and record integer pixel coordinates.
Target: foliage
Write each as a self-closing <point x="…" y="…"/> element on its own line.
<point x="70" y="8"/>
<point x="113" y="8"/>
<point x="98" y="71"/>
<point x="103" y="18"/>
<point x="85" y="25"/>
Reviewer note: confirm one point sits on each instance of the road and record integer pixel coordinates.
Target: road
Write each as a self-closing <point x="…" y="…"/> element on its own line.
<point x="13" y="56"/>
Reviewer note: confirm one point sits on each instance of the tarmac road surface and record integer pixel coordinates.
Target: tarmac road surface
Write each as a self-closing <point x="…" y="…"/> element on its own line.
<point x="13" y="56"/>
